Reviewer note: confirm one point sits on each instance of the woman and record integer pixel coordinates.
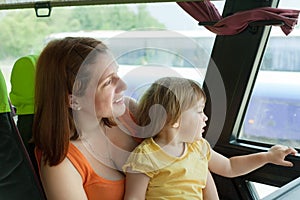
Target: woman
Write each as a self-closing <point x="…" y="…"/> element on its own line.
<point x="77" y="96"/>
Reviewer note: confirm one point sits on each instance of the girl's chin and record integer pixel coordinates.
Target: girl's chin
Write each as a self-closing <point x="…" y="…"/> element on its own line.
<point x="198" y="137"/>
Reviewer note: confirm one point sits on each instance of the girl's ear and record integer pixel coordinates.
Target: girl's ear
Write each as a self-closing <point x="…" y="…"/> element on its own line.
<point x="73" y="103"/>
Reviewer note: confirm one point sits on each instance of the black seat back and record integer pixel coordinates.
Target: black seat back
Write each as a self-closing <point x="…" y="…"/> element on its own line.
<point x="22" y="98"/>
<point x="18" y="179"/>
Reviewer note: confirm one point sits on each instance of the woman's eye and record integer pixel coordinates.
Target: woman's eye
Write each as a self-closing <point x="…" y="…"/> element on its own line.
<point x="108" y="82"/>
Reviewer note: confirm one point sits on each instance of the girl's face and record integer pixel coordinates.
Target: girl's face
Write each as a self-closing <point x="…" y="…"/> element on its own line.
<point x="106" y="87"/>
<point x="192" y="122"/>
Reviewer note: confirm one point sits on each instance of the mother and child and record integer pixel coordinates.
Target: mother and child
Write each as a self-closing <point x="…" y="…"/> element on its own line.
<point x="81" y="150"/>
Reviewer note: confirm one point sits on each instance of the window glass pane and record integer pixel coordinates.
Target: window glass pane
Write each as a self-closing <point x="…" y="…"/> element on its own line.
<point x="261" y="190"/>
<point x="173" y="42"/>
<point x="273" y="114"/>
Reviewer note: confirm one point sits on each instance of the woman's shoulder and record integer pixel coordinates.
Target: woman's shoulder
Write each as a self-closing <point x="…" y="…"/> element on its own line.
<point x="53" y="173"/>
<point x="62" y="165"/>
<point x="73" y="157"/>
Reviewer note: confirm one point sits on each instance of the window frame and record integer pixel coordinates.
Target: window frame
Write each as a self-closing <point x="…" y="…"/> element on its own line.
<point x="239" y="83"/>
<point x="62" y="3"/>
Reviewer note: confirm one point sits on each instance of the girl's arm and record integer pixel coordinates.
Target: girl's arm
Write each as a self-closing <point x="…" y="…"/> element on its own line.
<point x="210" y="191"/>
<point x="240" y="165"/>
<point x="136" y="186"/>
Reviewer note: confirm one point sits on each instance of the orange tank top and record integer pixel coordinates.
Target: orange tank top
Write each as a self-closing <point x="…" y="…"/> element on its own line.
<point x="95" y="186"/>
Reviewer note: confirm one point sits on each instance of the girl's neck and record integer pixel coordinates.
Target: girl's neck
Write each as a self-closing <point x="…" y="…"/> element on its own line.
<point x="171" y="144"/>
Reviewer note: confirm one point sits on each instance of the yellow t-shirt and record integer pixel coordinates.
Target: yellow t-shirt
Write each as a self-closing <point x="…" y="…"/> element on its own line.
<point x="172" y="177"/>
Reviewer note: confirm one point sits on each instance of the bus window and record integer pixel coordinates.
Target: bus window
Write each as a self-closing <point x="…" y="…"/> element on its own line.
<point x="21" y="39"/>
<point x="273" y="113"/>
<point x="148" y="55"/>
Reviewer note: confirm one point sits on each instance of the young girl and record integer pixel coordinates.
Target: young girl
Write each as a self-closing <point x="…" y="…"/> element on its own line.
<point x="173" y="163"/>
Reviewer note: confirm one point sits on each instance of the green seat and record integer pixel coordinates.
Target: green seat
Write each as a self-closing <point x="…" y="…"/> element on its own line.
<point x="22" y="84"/>
<point x="22" y="98"/>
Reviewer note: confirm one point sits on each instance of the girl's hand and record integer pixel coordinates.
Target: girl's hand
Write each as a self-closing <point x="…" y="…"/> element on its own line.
<point x="277" y="154"/>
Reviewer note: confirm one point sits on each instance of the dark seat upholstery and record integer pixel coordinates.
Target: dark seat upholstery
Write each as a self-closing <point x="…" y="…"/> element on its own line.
<point x="18" y="179"/>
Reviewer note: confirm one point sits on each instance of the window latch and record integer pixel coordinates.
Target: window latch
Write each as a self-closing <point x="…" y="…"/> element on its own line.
<point x="42" y="9"/>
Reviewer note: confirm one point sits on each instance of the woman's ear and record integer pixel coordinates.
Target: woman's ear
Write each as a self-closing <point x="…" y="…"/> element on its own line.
<point x="73" y="103"/>
<point x="175" y="125"/>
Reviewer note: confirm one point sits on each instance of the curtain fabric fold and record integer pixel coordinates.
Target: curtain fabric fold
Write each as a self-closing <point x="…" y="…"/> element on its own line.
<point x="205" y="11"/>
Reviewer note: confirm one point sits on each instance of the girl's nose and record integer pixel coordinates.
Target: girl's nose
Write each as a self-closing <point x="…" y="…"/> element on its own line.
<point x="205" y="118"/>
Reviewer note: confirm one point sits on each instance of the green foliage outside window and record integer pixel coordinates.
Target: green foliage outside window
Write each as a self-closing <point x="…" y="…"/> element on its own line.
<point x="23" y="33"/>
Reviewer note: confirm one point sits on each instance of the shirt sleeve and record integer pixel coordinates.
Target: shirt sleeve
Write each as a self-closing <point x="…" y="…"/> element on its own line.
<point x="203" y="148"/>
<point x="207" y="149"/>
<point x="140" y="161"/>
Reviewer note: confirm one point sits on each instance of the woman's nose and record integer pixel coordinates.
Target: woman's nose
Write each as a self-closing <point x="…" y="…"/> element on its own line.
<point x="121" y="85"/>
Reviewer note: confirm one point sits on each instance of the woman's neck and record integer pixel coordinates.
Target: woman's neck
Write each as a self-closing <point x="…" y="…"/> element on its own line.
<point x="86" y="122"/>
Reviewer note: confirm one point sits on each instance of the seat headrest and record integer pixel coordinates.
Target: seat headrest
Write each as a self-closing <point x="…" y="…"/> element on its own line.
<point x="22" y="84"/>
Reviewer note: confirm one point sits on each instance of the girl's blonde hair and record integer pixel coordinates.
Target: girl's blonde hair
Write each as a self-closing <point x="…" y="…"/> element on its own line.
<point x="165" y="100"/>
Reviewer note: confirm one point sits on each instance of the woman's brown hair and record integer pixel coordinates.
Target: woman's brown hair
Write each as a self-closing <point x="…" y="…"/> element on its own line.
<point x="56" y="71"/>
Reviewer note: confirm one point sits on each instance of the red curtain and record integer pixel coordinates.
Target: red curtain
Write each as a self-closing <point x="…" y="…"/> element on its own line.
<point x="205" y="11"/>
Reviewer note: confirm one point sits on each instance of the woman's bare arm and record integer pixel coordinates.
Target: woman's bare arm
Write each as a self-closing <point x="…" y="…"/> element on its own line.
<point x="62" y="182"/>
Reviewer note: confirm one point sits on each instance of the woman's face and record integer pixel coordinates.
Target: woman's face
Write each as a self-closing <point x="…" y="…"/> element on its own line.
<point x="106" y="87"/>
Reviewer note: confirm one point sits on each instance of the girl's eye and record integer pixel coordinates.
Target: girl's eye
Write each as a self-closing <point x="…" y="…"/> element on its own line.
<point x="200" y="111"/>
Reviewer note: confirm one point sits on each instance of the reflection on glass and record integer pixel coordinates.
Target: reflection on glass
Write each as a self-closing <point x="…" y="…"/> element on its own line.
<point x="273" y="113"/>
<point x="261" y="190"/>
<point x="24" y="33"/>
